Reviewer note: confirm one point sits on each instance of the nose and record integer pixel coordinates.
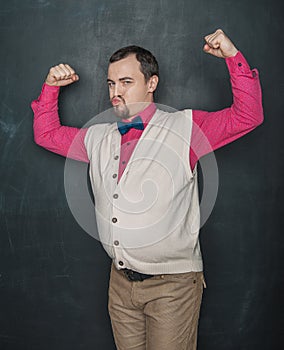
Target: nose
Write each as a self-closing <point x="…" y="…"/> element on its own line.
<point x="117" y="90"/>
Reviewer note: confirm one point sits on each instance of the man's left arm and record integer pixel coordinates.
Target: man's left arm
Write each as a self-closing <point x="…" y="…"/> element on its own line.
<point x="212" y="130"/>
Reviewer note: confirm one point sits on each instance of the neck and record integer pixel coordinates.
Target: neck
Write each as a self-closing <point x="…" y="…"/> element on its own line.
<point x="145" y="113"/>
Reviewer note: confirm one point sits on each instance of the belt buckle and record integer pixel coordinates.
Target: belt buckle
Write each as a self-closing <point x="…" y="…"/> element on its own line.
<point x="129" y="274"/>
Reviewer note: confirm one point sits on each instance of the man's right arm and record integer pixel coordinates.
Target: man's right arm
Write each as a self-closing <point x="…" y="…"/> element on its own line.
<point x="48" y="131"/>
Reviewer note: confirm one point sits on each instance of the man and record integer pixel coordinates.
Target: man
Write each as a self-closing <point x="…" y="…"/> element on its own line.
<point x="144" y="180"/>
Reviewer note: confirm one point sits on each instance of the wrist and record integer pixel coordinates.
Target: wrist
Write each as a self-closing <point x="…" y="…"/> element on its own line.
<point x="48" y="87"/>
<point x="233" y="53"/>
<point x="49" y="83"/>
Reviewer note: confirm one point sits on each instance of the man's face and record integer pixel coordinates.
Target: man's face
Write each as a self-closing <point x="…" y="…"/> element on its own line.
<point x="128" y="91"/>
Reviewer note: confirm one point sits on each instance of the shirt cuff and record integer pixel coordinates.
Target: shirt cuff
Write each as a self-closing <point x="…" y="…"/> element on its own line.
<point x="49" y="93"/>
<point x="238" y="64"/>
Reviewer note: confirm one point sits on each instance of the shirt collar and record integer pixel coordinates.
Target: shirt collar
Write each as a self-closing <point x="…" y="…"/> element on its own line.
<point x="145" y="115"/>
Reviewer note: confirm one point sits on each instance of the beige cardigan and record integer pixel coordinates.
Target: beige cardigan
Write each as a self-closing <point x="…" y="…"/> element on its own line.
<point x="149" y="221"/>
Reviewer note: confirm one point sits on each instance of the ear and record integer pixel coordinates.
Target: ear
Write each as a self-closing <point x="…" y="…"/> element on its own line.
<point x="153" y="83"/>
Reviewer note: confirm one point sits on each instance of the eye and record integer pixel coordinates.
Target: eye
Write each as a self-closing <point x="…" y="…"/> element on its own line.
<point x="127" y="82"/>
<point x="110" y="84"/>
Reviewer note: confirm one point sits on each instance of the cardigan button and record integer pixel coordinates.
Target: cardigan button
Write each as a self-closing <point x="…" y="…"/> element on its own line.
<point x="116" y="243"/>
<point x="115" y="196"/>
<point x="114" y="220"/>
<point x="114" y="176"/>
<point x="121" y="263"/>
<point x="116" y="157"/>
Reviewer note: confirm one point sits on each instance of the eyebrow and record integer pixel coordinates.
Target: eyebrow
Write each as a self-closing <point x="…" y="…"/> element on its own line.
<point x="121" y="79"/>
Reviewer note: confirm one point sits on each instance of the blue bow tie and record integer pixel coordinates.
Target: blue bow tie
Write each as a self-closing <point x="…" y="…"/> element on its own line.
<point x="136" y="123"/>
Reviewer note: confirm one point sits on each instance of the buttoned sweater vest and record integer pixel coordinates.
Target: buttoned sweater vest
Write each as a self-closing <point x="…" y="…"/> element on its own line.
<point x="149" y="220"/>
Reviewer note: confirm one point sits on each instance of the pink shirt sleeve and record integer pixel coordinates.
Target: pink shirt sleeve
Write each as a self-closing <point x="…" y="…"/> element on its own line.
<point x="212" y="130"/>
<point x="48" y="131"/>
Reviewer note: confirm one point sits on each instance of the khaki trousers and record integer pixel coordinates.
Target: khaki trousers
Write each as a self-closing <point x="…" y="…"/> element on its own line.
<point x="160" y="313"/>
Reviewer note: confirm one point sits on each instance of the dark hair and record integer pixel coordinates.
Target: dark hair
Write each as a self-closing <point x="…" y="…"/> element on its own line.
<point x="148" y="63"/>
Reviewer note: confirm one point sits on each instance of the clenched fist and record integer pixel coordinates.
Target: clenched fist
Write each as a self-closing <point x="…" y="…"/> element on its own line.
<point x="61" y="75"/>
<point x="219" y="45"/>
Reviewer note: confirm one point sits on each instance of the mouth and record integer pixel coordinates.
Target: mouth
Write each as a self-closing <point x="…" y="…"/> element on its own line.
<point x="116" y="101"/>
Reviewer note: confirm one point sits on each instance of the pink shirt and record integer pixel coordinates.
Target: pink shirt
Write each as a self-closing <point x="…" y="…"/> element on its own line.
<point x="130" y="139"/>
<point x="220" y="127"/>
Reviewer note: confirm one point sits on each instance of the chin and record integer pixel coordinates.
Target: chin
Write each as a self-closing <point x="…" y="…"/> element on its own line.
<point x="122" y="113"/>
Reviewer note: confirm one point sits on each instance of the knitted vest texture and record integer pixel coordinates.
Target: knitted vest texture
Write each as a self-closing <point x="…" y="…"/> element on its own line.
<point x="149" y="220"/>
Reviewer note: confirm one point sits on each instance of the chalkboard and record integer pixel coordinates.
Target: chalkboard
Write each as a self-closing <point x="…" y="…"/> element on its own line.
<point x="53" y="275"/>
